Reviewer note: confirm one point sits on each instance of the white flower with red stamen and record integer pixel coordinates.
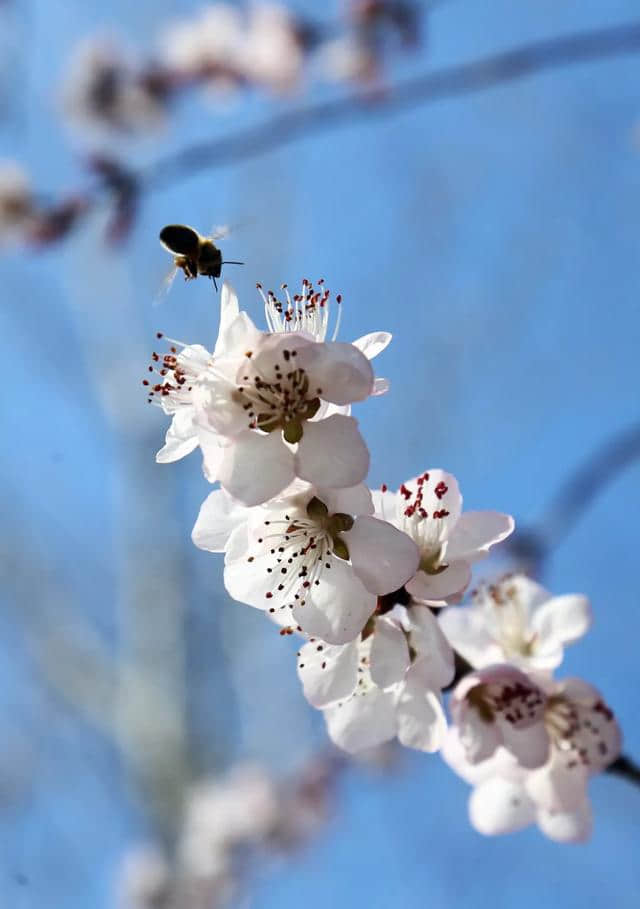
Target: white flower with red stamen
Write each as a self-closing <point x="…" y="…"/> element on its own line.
<point x="310" y="312"/>
<point x="387" y="683"/>
<point x="314" y="559"/>
<point x="207" y="47"/>
<point x="516" y="621"/>
<point x="501" y="706"/>
<point x="429" y="509"/>
<point x="180" y="370"/>
<point x="584" y="737"/>
<point x="270" y="402"/>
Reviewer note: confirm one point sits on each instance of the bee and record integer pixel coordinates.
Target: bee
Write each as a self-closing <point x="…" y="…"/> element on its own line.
<point x="194" y="254"/>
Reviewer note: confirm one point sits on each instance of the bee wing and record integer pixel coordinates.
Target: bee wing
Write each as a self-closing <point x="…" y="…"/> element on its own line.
<point x="180" y="239"/>
<point x="220" y="231"/>
<point x="166" y="286"/>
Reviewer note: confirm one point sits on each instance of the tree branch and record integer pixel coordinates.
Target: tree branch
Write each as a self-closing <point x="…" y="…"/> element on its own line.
<point x="448" y="82"/>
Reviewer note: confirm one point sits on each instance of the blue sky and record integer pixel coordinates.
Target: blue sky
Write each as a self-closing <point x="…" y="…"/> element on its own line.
<point x="497" y="237"/>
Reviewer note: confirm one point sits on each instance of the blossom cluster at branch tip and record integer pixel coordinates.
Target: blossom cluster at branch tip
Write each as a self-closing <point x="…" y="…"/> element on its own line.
<point x="371" y="582"/>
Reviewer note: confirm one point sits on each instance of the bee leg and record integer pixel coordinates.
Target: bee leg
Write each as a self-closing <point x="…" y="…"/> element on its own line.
<point x="214" y="283"/>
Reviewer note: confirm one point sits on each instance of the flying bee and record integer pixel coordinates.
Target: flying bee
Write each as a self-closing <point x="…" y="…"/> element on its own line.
<point x="194" y="254"/>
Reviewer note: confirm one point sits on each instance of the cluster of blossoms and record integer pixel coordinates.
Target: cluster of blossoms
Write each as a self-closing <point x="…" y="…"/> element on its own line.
<point x="371" y="581"/>
<point x="223" y="48"/>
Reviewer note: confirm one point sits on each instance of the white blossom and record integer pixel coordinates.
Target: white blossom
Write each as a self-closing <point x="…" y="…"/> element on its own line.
<point x="507" y="796"/>
<point x="272" y="53"/>
<point x="387" y="683"/>
<point x="429" y="509"/>
<point x="501" y="706"/>
<point x="207" y="46"/>
<point x="516" y="621"/>
<point x="313" y="558"/>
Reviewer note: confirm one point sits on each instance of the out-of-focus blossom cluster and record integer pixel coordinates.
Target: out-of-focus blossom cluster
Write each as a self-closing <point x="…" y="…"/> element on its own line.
<point x="227" y="823"/>
<point x="371" y="582"/>
<point x="222" y="48"/>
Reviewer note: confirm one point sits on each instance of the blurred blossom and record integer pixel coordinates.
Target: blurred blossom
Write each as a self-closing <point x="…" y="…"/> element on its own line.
<point x="273" y="51"/>
<point x="16" y="201"/>
<point x="206" y="47"/>
<point x="103" y="89"/>
<point x="349" y="59"/>
<point x="145" y="880"/>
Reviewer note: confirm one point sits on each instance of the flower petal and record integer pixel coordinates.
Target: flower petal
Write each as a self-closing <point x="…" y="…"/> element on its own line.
<point x="561" y="620"/>
<point x="352" y="500"/>
<point x="382" y="556"/>
<point x="332" y="453"/>
<point x="475" y="533"/>
<point x="420" y="719"/>
<point x="438" y="588"/>
<point x="335" y="610"/>
<point x="389" y="658"/>
<point x="229" y="309"/>
<point x="362" y="721"/>
<point x="247" y="583"/>
<point x="339" y="372"/>
<point x="212" y="452"/>
<point x="567" y="827"/>
<point x="557" y="786"/>
<point x="256" y="467"/>
<point x="529" y="745"/>
<point x="465" y="630"/>
<point x="434" y="661"/>
<point x="374" y="343"/>
<point x="181" y="438"/>
<point x="500" y="806"/>
<point x="219" y="515"/>
<point x="328" y="673"/>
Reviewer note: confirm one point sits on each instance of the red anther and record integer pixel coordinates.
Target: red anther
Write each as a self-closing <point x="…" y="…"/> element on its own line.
<point x="159" y="334"/>
<point x="384" y="487"/>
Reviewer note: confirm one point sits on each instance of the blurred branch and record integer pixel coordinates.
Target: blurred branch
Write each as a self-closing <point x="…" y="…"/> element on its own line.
<point x="590" y="479"/>
<point x="123" y="186"/>
<point x="625" y="768"/>
<point x="448" y="82"/>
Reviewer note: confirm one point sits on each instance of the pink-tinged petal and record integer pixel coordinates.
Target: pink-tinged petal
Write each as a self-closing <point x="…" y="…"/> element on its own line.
<point x="327" y="673"/>
<point x="389" y="658"/>
<point x="438" y="588"/>
<point x="560" y="785"/>
<point x="420" y="719"/>
<point x="382" y="556"/>
<point x="559" y="621"/>
<point x="212" y="452"/>
<point x="363" y="721"/>
<point x="530" y="745"/>
<point x="373" y="344"/>
<point x="500" y="806"/>
<point x="567" y="827"/>
<point x="434" y="657"/>
<point x="479" y="739"/>
<point x="380" y="387"/>
<point x="335" y="610"/>
<point x="465" y="630"/>
<point x="219" y="515"/>
<point x="337" y="372"/>
<point x="256" y="467"/>
<point x="353" y="500"/>
<point x="332" y="453"/>
<point x="475" y="533"/>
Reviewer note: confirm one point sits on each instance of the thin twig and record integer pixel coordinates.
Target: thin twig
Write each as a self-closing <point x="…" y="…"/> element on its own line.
<point x="448" y="82"/>
<point x="587" y="481"/>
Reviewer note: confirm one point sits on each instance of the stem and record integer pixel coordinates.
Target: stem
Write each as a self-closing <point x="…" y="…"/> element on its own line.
<point x="626" y="768"/>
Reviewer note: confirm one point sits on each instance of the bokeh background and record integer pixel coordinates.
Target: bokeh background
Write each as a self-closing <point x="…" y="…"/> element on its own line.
<point x="497" y="236"/>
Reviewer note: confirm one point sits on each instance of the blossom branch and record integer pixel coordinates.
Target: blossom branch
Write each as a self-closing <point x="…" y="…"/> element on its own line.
<point x="123" y="186"/>
<point x="448" y="82"/>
